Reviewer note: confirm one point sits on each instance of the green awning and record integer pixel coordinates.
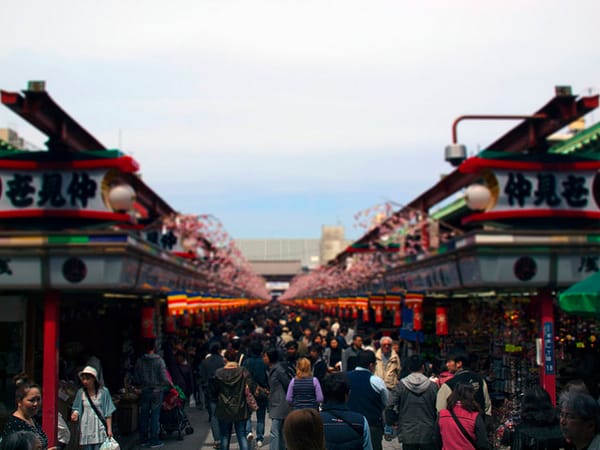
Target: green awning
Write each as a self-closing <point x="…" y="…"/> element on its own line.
<point x="583" y="297"/>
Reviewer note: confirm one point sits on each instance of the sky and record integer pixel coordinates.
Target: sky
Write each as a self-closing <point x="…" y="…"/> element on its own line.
<point x="282" y="116"/>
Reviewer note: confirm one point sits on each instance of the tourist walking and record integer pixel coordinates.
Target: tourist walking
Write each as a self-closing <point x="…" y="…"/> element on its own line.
<point x="230" y="384"/>
<point x="411" y="408"/>
<point x="150" y="375"/>
<point x="344" y="429"/>
<point x="28" y="399"/>
<point x="257" y="368"/>
<point x="368" y="395"/>
<point x="278" y="406"/>
<point x="461" y="425"/>
<point x="304" y="390"/>
<point x="208" y="367"/>
<point x="92" y="408"/>
<point x="387" y="365"/>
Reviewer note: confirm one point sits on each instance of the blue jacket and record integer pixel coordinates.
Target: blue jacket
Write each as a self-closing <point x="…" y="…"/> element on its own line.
<point x="345" y="429"/>
<point x="363" y="397"/>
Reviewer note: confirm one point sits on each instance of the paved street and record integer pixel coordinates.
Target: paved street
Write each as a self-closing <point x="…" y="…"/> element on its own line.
<point x="201" y="439"/>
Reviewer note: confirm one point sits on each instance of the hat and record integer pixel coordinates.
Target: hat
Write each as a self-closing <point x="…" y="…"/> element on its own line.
<point x="89" y="370"/>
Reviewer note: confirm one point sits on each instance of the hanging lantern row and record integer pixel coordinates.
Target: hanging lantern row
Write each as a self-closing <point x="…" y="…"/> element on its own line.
<point x="180" y="303"/>
<point x="394" y="302"/>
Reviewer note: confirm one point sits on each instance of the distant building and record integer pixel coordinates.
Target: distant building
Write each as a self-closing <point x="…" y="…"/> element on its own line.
<point x="11" y="138"/>
<point x="279" y="260"/>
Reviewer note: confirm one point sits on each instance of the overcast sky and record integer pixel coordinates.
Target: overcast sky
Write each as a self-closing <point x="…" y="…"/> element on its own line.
<point x="281" y="116"/>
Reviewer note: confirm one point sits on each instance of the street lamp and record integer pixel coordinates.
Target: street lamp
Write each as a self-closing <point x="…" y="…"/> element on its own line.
<point x="456" y="153"/>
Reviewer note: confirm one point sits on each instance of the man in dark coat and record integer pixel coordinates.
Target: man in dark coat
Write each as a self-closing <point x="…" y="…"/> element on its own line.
<point x="279" y="381"/>
<point x="232" y="408"/>
<point x="412" y="407"/>
<point x="368" y="395"/>
<point x="208" y="367"/>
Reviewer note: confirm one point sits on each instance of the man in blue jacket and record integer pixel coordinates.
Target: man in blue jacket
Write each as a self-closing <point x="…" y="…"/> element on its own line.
<point x="344" y="429"/>
<point x="368" y="395"/>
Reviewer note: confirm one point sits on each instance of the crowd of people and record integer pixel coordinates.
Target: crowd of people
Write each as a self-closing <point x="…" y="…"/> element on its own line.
<point x="324" y="385"/>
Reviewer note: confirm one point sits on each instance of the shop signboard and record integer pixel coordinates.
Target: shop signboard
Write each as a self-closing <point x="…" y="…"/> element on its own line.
<point x="505" y="270"/>
<point x="439" y="276"/>
<point x="83" y="272"/>
<point x="542" y="190"/>
<point x="20" y="272"/>
<point x="574" y="268"/>
<point x="153" y="277"/>
<point x="548" y="348"/>
<point x="531" y="187"/>
<point x="73" y="189"/>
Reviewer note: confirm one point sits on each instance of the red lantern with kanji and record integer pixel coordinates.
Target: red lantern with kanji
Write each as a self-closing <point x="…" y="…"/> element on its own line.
<point x="441" y="321"/>
<point x="147" y="324"/>
<point x="169" y="324"/>
<point x="366" y="317"/>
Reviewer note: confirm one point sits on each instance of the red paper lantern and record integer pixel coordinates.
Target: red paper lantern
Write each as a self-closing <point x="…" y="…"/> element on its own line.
<point x="441" y="321"/>
<point x="354" y="313"/>
<point x="366" y="317"/>
<point x="147" y="325"/>
<point x="186" y="320"/>
<point x="198" y="319"/>
<point x="170" y="324"/>
<point x="418" y="316"/>
<point x="378" y="314"/>
<point x="397" y="317"/>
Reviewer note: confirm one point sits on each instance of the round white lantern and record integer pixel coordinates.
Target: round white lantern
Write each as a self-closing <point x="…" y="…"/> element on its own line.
<point x="121" y="197"/>
<point x="478" y="197"/>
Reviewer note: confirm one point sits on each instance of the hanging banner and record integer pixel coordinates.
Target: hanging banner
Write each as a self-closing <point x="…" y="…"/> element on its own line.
<point x="147" y="324"/>
<point x="441" y="320"/>
<point x="176" y="302"/>
<point x="414" y="302"/>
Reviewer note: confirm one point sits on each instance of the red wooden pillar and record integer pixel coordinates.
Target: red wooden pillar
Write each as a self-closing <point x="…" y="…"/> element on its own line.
<point x="50" y="376"/>
<point x="548" y="369"/>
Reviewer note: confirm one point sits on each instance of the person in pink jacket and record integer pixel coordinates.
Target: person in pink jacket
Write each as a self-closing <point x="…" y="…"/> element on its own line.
<point x="461" y="425"/>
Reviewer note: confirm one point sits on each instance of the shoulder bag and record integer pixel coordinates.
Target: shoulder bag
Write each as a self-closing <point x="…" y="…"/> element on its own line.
<point x="462" y="429"/>
<point x="110" y="443"/>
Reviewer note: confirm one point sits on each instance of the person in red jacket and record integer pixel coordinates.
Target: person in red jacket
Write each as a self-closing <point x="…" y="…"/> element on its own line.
<point x="461" y="424"/>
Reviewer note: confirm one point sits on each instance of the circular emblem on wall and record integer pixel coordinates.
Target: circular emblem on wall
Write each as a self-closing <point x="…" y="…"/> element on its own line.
<point x="525" y="268"/>
<point x="74" y="270"/>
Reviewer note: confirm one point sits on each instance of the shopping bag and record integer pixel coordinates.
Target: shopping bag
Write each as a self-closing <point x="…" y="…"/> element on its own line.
<point x="110" y="444"/>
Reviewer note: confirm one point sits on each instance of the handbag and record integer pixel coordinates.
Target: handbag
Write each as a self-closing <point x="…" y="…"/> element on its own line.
<point x="109" y="441"/>
<point x="462" y="429"/>
<point x="110" y="444"/>
<point x="261" y="393"/>
<point x="250" y="400"/>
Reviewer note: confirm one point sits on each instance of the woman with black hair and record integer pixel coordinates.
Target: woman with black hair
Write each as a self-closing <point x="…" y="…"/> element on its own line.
<point x="28" y="399"/>
<point x="539" y="428"/>
<point x="461" y="424"/>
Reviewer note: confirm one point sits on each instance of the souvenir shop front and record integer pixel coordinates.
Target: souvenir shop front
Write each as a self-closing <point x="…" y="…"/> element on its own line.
<point x="70" y="296"/>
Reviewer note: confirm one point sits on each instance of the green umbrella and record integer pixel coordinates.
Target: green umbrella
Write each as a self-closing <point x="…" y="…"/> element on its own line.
<point x="582" y="297"/>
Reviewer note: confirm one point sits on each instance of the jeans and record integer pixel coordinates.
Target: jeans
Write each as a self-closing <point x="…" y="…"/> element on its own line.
<point x="150" y="404"/>
<point x="214" y="422"/>
<point x="240" y="431"/>
<point x="260" y="422"/>
<point x="277" y="441"/>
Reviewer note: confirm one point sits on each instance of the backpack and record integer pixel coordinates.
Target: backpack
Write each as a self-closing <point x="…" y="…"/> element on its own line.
<point x="231" y="400"/>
